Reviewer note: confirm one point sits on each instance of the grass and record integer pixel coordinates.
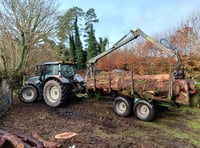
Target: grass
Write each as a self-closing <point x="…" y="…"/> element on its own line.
<point x="183" y="125"/>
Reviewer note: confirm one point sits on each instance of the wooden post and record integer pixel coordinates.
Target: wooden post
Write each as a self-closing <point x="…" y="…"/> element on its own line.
<point x="94" y="76"/>
<point x="170" y="93"/>
<point x="109" y="81"/>
<point x="132" y="81"/>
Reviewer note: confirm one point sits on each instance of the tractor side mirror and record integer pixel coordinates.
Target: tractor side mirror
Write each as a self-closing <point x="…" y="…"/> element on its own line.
<point x="75" y="68"/>
<point x="41" y="71"/>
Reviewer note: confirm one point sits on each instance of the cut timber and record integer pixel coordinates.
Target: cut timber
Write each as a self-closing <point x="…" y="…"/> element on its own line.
<point x="13" y="140"/>
<point x="25" y="141"/>
<point x="29" y="139"/>
<point x="143" y="86"/>
<point x="65" y="135"/>
<point x="122" y="82"/>
<point x="47" y="144"/>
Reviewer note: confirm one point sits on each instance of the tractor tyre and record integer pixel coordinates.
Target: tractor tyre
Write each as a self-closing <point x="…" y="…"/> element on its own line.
<point x="144" y="110"/>
<point x="123" y="106"/>
<point x="6" y="98"/>
<point x="55" y="93"/>
<point x="28" y="94"/>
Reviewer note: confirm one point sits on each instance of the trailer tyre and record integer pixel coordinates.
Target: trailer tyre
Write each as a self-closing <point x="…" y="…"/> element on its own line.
<point x="28" y="94"/>
<point x="123" y="106"/>
<point x="144" y="110"/>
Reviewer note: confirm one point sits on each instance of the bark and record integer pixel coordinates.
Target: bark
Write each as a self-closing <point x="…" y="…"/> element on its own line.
<point x="2" y="142"/>
<point x="47" y="144"/>
<point x="13" y="140"/>
<point x="6" y="97"/>
<point x="22" y="52"/>
<point x="25" y="141"/>
<point x="31" y="140"/>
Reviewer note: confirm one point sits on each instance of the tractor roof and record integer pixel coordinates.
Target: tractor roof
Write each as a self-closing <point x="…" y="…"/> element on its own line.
<point x="59" y="62"/>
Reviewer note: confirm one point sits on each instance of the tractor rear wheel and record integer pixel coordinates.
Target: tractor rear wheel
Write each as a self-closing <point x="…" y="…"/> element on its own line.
<point x="28" y="94"/>
<point x="55" y="93"/>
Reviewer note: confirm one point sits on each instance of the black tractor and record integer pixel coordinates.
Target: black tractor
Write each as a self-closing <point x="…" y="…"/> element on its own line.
<point x="56" y="82"/>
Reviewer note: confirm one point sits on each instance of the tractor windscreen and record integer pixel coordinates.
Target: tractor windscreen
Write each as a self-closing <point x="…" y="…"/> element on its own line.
<point x="67" y="70"/>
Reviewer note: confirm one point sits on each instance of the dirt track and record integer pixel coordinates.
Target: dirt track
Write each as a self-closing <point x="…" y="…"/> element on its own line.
<point x="98" y="126"/>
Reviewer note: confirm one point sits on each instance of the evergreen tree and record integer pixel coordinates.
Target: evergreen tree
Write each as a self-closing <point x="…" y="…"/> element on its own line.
<point x="72" y="50"/>
<point x="92" y="44"/>
<point x="90" y="19"/>
<point x="102" y="45"/>
<point x="79" y="48"/>
<point x="66" y="29"/>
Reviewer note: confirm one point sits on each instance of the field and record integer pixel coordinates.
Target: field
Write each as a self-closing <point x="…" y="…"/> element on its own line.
<point x="98" y="126"/>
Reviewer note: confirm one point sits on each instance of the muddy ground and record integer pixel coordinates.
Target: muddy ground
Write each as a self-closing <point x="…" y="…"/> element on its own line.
<point x="98" y="126"/>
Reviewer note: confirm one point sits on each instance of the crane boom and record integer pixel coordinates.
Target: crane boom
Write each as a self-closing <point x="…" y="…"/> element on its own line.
<point x="135" y="34"/>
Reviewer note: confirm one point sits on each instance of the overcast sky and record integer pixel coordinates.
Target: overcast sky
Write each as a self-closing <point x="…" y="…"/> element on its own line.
<point x="117" y="17"/>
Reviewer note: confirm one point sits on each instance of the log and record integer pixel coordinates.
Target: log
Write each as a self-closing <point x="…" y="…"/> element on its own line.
<point x="21" y="140"/>
<point x="47" y="144"/>
<point x="13" y="140"/>
<point x="2" y="142"/>
<point x="31" y="140"/>
<point x="2" y="132"/>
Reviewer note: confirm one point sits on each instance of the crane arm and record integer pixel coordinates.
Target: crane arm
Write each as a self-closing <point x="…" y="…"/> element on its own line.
<point x="135" y="34"/>
<point x="117" y="45"/>
<point x="170" y="52"/>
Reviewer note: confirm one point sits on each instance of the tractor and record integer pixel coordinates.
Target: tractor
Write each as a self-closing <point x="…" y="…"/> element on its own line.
<point x="56" y="82"/>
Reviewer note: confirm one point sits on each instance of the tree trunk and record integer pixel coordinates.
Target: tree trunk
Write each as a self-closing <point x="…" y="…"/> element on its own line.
<point x="22" y="52"/>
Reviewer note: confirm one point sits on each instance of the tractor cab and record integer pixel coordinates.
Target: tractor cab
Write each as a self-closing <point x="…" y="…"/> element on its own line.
<point x="51" y="69"/>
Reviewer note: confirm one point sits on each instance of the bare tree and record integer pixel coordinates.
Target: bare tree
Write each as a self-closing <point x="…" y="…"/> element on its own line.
<point x="193" y="21"/>
<point x="25" y="25"/>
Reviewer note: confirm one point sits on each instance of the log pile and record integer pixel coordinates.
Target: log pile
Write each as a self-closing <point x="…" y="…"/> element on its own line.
<point x="145" y="86"/>
<point x="125" y="81"/>
<point x="20" y="140"/>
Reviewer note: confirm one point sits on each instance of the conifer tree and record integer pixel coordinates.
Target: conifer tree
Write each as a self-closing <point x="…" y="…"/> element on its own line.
<point x="72" y="50"/>
<point x="92" y="44"/>
<point x="79" y="48"/>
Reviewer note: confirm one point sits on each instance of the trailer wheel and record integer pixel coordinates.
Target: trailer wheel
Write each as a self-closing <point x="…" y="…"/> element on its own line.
<point x="144" y="110"/>
<point x="123" y="106"/>
<point x="28" y="94"/>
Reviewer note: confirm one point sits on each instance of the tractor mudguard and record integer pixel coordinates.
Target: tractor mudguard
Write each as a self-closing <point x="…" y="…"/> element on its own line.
<point x="78" y="78"/>
<point x="35" y="81"/>
<point x="60" y="78"/>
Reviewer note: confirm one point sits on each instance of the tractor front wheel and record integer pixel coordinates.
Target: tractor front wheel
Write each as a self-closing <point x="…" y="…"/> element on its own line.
<point x="55" y="93"/>
<point x="28" y="94"/>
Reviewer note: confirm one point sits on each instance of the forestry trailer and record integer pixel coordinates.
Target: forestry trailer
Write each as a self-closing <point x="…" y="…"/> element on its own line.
<point x="136" y="93"/>
<point x="56" y="82"/>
